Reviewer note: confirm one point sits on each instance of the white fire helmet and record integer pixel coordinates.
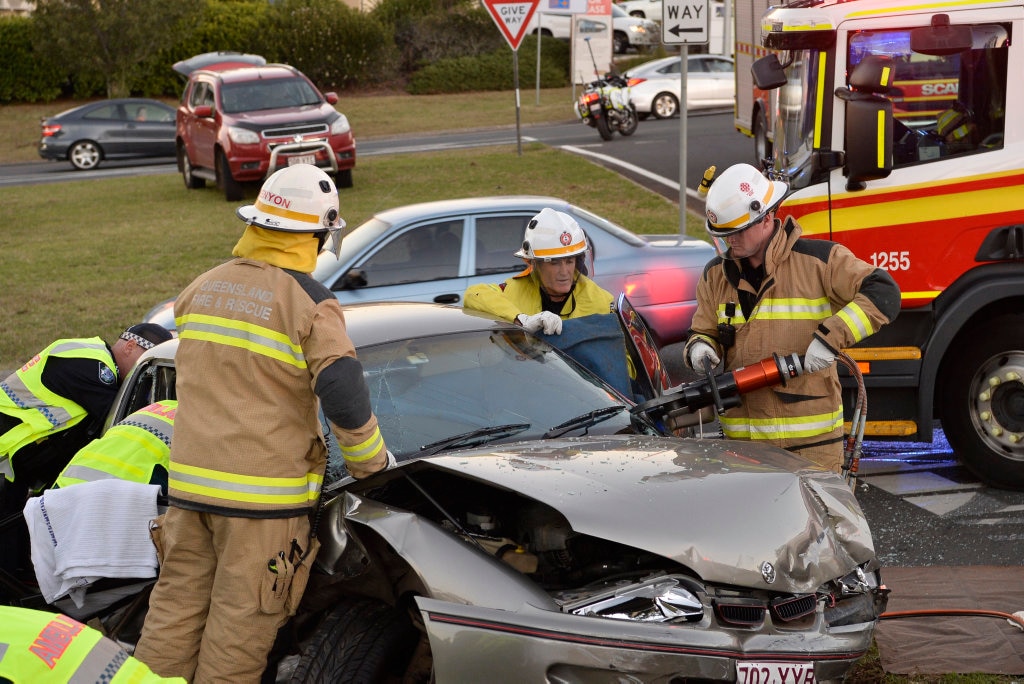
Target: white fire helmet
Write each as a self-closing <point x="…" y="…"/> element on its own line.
<point x="297" y="199"/>
<point x="738" y="199"/>
<point x="552" y="235"/>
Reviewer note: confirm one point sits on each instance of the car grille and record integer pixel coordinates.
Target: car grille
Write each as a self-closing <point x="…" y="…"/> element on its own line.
<point x="791" y="608"/>
<point x="749" y="612"/>
<point x="292" y="131"/>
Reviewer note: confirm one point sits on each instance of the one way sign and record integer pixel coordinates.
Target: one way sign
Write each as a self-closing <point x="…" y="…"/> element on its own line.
<point x="685" y="21"/>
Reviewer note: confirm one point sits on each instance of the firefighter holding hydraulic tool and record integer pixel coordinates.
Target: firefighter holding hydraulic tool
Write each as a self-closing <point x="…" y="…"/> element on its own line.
<point x="770" y="290"/>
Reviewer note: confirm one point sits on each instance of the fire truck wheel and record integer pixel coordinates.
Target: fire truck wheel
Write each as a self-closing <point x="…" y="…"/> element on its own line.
<point x="982" y="401"/>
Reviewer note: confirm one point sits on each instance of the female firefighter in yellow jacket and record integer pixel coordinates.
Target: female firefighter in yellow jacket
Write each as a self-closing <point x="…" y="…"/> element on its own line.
<point x="769" y="290"/>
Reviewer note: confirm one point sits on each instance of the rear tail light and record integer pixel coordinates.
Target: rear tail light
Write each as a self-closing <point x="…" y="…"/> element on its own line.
<point x="590" y="98"/>
<point x="50" y="130"/>
<point x="635" y="81"/>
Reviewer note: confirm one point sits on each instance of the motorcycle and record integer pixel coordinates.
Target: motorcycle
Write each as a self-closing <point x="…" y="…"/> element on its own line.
<point x="605" y="105"/>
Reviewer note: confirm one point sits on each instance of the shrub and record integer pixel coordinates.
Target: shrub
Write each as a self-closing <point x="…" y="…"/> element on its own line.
<point x="27" y="76"/>
<point x="494" y="71"/>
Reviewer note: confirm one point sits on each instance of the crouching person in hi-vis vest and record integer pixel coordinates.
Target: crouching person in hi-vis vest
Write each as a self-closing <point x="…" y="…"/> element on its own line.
<point x="770" y="290"/>
<point x="262" y="348"/>
<point x="136" y="449"/>
<point x="37" y="647"/>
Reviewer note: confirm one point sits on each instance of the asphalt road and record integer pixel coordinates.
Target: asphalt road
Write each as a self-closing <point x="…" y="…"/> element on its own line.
<point x="924" y="509"/>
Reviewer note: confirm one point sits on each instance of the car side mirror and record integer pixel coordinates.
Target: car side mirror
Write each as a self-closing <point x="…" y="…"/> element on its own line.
<point x="354" y="279"/>
<point x="204" y="111"/>
<point x="869" y="122"/>
<point x="332" y="98"/>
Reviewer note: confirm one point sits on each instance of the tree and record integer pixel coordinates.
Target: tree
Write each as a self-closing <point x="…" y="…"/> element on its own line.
<point x="111" y="39"/>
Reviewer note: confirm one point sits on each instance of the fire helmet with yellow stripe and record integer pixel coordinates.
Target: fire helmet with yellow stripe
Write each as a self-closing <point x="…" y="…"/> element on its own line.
<point x="297" y="199"/>
<point x="739" y="199"/>
<point x="552" y="235"/>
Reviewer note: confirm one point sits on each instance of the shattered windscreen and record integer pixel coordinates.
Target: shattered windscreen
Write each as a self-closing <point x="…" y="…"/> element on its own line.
<point x="428" y="389"/>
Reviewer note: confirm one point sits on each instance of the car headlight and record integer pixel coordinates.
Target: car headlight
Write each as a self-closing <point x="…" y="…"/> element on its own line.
<point x="661" y="599"/>
<point x="340" y="125"/>
<point x="243" y="136"/>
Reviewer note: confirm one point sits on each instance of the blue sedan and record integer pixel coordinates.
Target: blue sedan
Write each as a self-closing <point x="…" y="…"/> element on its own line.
<point x="109" y="129"/>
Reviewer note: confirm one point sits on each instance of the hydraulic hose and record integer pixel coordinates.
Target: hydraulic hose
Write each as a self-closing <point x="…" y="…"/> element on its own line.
<point x="1016" y="618"/>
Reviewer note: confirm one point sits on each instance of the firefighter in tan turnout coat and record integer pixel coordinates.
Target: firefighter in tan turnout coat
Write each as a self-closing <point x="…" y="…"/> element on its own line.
<point x="769" y="290"/>
<point x="262" y="347"/>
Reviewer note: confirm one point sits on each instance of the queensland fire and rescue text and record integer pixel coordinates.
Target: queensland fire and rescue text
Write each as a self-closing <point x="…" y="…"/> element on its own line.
<point x="253" y="301"/>
<point x="930" y="188"/>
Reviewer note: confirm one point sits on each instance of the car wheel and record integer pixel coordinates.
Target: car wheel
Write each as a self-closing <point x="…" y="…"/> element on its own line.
<point x="638" y="13"/>
<point x="85" y="155"/>
<point x="185" y="166"/>
<point x="231" y="188"/>
<point x="762" y="145"/>
<point x="982" y="401"/>
<point x="343" y="179"/>
<point x="664" y="106"/>
<point x="620" y="43"/>
<point x="359" y="640"/>
<point x="628" y="126"/>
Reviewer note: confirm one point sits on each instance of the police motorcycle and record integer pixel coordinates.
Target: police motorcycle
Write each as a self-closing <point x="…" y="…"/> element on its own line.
<point x="402" y="533"/>
<point x="605" y="104"/>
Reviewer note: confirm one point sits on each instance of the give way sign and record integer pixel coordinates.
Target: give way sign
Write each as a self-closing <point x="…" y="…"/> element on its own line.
<point x="512" y="17"/>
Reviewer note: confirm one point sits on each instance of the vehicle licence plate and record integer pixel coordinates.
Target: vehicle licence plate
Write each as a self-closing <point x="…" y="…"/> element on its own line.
<point x="302" y="159"/>
<point x="774" y="673"/>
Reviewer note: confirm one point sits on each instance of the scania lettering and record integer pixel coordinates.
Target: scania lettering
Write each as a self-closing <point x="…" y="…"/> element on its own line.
<point x="900" y="128"/>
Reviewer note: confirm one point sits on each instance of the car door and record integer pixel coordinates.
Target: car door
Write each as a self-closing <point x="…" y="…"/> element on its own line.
<point x="722" y="76"/>
<point x="422" y="262"/>
<point x="150" y="129"/>
<point x="106" y="125"/>
<point x="496" y="239"/>
<point x="200" y="133"/>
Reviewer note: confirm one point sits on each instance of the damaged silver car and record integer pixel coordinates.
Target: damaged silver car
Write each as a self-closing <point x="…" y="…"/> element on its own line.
<point x="541" y="527"/>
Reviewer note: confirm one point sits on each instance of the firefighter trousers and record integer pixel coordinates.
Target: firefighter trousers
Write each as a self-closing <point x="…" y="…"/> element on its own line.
<point x="219" y="600"/>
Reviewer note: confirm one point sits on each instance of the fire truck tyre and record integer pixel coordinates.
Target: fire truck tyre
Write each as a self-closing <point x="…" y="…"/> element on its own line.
<point x="762" y="145"/>
<point x="630" y="122"/>
<point x="85" y="155"/>
<point x="343" y="179"/>
<point x="983" y="401"/>
<point x="359" y="640"/>
<point x="664" y="106"/>
<point x="192" y="182"/>
<point x="231" y="188"/>
<point x="603" y="128"/>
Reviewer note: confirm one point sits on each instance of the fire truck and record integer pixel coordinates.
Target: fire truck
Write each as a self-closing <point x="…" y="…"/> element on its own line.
<point x="925" y="182"/>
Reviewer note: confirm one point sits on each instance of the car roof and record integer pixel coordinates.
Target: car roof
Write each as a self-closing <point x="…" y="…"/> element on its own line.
<point x="216" y="61"/>
<point x="471" y="205"/>
<point x="251" y="73"/>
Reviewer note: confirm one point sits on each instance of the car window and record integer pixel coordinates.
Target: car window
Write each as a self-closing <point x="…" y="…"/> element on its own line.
<point x="427" y="389"/>
<point x="498" y="238"/>
<point x="429" y="251"/>
<point x="718" y="65"/>
<point x="278" y="93"/>
<point x="107" y="111"/>
<point x="671" y="68"/>
<point x="145" y="113"/>
<point x="202" y="94"/>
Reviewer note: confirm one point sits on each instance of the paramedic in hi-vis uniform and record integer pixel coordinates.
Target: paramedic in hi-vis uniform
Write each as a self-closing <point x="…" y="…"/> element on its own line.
<point x="262" y="348"/>
<point x="770" y="290"/>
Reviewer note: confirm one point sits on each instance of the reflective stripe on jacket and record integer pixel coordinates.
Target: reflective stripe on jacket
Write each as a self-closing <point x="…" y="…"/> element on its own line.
<point x="42" y="412"/>
<point x="130" y="450"/>
<point x="36" y="646"/>
<point x="521" y="295"/>
<point x="811" y="288"/>
<point x="254" y="340"/>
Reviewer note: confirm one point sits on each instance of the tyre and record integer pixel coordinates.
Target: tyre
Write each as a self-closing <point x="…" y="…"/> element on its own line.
<point x="359" y="641"/>
<point x="343" y="179"/>
<point x="604" y="128"/>
<point x="638" y="13"/>
<point x="185" y="166"/>
<point x="620" y="43"/>
<point x="231" y="188"/>
<point x="630" y="121"/>
<point x="664" y="106"/>
<point x="762" y="145"/>
<point x="982" y="401"/>
<point x="85" y="155"/>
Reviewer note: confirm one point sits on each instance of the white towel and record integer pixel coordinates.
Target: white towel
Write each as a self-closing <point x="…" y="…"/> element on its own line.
<point x="94" y="530"/>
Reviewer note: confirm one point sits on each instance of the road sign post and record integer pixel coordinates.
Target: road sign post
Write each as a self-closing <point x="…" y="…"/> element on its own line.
<point x="684" y="22"/>
<point x="512" y="17"/>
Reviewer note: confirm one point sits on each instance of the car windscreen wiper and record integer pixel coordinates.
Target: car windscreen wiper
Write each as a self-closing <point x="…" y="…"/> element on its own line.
<point x="472" y="438"/>
<point x="584" y="421"/>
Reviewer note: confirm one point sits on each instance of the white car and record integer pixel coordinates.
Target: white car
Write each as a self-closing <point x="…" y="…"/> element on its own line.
<point x="627" y="32"/>
<point x="655" y="85"/>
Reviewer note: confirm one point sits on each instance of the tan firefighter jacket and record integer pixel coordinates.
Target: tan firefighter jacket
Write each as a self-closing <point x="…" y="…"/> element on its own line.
<point x="260" y="348"/>
<point x="811" y="288"/>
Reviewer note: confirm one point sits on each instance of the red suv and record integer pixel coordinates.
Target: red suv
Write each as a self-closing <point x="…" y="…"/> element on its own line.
<point x="241" y="119"/>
